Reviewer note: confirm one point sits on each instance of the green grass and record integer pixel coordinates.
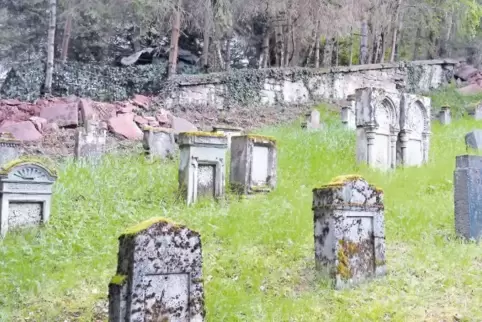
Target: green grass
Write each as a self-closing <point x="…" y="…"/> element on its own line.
<point x="258" y="252"/>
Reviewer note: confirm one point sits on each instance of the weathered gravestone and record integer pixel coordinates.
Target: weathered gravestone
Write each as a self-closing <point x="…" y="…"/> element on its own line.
<point x="468" y="196"/>
<point x="349" y="230"/>
<point x="348" y="113"/>
<point x="477" y="113"/>
<point x="159" y="142"/>
<point x="444" y="116"/>
<point x="473" y="140"/>
<point x="26" y="191"/>
<point x="159" y="275"/>
<point x="90" y="141"/>
<point x="9" y="148"/>
<point x="253" y="164"/>
<point x="312" y="121"/>
<point x="202" y="165"/>
<point x="414" y="129"/>
<point x="228" y="131"/>
<point x="378" y="126"/>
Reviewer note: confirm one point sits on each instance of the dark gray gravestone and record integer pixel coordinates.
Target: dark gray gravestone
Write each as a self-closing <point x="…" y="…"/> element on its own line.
<point x="468" y="196"/>
<point x="473" y="140"/>
<point x="159" y="274"/>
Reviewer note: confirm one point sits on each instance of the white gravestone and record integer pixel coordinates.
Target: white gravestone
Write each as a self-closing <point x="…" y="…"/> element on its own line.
<point x="228" y="131"/>
<point x="444" y="116"/>
<point x="312" y="121"/>
<point x="159" y="142"/>
<point x="348" y="113"/>
<point x="378" y="126"/>
<point x="253" y="164"/>
<point x="414" y="129"/>
<point x="90" y="141"/>
<point x="26" y="191"/>
<point x="159" y="274"/>
<point x="202" y="165"/>
<point x="349" y="231"/>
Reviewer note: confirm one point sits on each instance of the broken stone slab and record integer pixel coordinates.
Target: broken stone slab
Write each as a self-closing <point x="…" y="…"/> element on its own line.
<point x="159" y="142"/>
<point x="124" y="126"/>
<point x="444" y="116"/>
<point x="179" y="125"/>
<point x="349" y="231"/>
<point x="26" y="191"/>
<point x="228" y="131"/>
<point x="253" y="164"/>
<point x="202" y="165"/>
<point x="9" y="148"/>
<point x="159" y="274"/>
<point x="312" y="121"/>
<point x="65" y="114"/>
<point x="90" y="142"/>
<point x="468" y="196"/>
<point x="23" y="131"/>
<point x="471" y="89"/>
<point x="473" y="140"/>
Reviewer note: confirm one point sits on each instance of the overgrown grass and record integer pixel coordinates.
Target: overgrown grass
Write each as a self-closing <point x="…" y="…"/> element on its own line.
<point x="258" y="253"/>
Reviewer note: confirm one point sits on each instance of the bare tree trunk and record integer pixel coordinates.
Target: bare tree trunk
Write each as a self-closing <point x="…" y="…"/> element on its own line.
<point x="416" y="44"/>
<point x="395" y="30"/>
<point x="383" y="47"/>
<point x="351" y="47"/>
<point x="296" y="43"/>
<point x="66" y="37"/>
<point x="364" y="43"/>
<point x="328" y="52"/>
<point x="173" y="52"/>
<point x="287" y="42"/>
<point x="219" y="54"/>
<point x="228" y="54"/>
<point x="337" y="51"/>
<point x="376" y="48"/>
<point x="263" y="60"/>
<point x="317" y="46"/>
<point x="206" y="35"/>
<point x="448" y="21"/>
<point x="50" y="47"/>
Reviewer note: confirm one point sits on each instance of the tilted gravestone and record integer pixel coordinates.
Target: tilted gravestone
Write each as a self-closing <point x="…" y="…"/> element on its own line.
<point x="473" y="140"/>
<point x="253" y="164"/>
<point x="228" y="131"/>
<point x="349" y="230"/>
<point x="202" y="165"/>
<point x="159" y="142"/>
<point x="90" y="141"/>
<point x="468" y="196"/>
<point x="444" y="116"/>
<point x="312" y="121"/>
<point x="9" y="148"/>
<point x="26" y="191"/>
<point x="159" y="274"/>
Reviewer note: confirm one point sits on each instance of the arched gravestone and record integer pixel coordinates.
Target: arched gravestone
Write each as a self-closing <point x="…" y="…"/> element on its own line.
<point x="349" y="230"/>
<point x="159" y="274"/>
<point x="415" y="129"/>
<point x="377" y="121"/>
<point x="26" y="191"/>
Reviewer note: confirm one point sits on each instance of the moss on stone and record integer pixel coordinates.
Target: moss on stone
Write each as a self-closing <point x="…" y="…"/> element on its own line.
<point x="262" y="138"/>
<point x="340" y="181"/>
<point x="136" y="229"/>
<point x="157" y="129"/>
<point x="6" y="168"/>
<point x="118" y="280"/>
<point x="200" y="133"/>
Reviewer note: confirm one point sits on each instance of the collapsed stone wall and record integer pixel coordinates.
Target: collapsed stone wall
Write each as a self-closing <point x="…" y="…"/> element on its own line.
<point x="302" y="85"/>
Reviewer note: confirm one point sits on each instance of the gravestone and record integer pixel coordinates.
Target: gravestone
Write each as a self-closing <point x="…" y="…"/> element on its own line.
<point x="414" y="129"/>
<point x="9" y="148"/>
<point x="444" y="116"/>
<point x="378" y="126"/>
<point x="348" y="113"/>
<point x="228" y="131"/>
<point x="473" y="140"/>
<point x="349" y="231"/>
<point x="202" y="165"/>
<point x="159" y="274"/>
<point x="159" y="142"/>
<point x="468" y="196"/>
<point x="253" y="164"/>
<point x="90" y="141"/>
<point x="477" y="113"/>
<point x="26" y="191"/>
<point x="312" y="121"/>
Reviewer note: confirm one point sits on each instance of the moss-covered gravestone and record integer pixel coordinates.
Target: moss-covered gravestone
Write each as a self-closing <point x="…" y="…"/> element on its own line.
<point x="9" y="148"/>
<point x="444" y="116"/>
<point x="26" y="191"/>
<point x="202" y="165"/>
<point x="253" y="164"/>
<point x="349" y="230"/>
<point x="159" y="274"/>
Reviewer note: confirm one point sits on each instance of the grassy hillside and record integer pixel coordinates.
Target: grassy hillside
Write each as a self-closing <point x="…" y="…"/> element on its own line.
<point x="258" y="253"/>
